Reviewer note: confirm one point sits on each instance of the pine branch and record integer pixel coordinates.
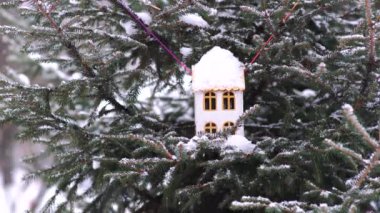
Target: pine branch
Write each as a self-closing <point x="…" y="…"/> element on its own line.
<point x="352" y="119"/>
<point x="254" y="203"/>
<point x="74" y="52"/>
<point x="297" y="68"/>
<point x="158" y="146"/>
<point x="363" y="175"/>
<point x="252" y="110"/>
<point x="348" y="112"/>
<point x="142" y="162"/>
<point x="179" y="6"/>
<point x="122" y="4"/>
<point x="252" y="10"/>
<point x="110" y="36"/>
<point x="274" y="33"/>
<point x="346" y="151"/>
<point x="371" y="48"/>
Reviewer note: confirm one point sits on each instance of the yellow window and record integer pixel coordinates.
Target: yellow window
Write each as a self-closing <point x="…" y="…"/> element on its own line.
<point x="210" y="127"/>
<point x="210" y="101"/>
<point x="227" y="125"/>
<point x="228" y="101"/>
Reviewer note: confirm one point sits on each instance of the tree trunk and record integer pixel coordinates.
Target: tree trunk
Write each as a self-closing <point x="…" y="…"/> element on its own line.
<point x="6" y="132"/>
<point x="6" y="152"/>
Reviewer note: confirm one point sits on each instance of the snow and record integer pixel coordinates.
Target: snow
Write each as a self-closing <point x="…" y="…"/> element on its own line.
<point x="84" y="186"/>
<point x="352" y="51"/>
<point x="186" y="51"/>
<point x="159" y="98"/>
<point x="193" y="19"/>
<point x="218" y="69"/>
<point x="259" y="202"/>
<point x="240" y="143"/>
<point x="190" y="146"/>
<point x="213" y="11"/>
<point x="13" y="75"/>
<point x="104" y="105"/>
<point x="321" y="67"/>
<point x="24" y="79"/>
<point x="146" y="2"/>
<point x="130" y="26"/>
<point x="348" y="108"/>
<point x="307" y="93"/>
<point x="237" y="143"/>
<point x="76" y="76"/>
<point x="3" y="202"/>
<point x="243" y="205"/>
<point x="74" y="2"/>
<point x="351" y="37"/>
<point x="20" y="195"/>
<point x="325" y="194"/>
<point x="59" y="199"/>
<point x="53" y="68"/>
<point x="95" y="164"/>
<point x="104" y="3"/>
<point x="145" y="16"/>
<point x="275" y="167"/>
<point x="375" y="206"/>
<point x="27" y="5"/>
<point x="168" y="176"/>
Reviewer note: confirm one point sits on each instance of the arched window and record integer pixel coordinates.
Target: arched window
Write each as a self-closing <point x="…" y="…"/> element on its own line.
<point x="210" y="101"/>
<point x="227" y="125"/>
<point x="210" y="127"/>
<point x="228" y="101"/>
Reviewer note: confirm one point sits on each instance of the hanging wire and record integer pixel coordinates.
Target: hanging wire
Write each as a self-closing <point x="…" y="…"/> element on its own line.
<point x="151" y="33"/>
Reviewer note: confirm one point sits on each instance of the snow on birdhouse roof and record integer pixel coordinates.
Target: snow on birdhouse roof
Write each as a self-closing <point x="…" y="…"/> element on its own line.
<point x="218" y="69"/>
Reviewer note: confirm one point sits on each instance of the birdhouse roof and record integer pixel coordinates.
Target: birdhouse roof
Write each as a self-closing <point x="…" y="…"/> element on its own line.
<point x="218" y="69"/>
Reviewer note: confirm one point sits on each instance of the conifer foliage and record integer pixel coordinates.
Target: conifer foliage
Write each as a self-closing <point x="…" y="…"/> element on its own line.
<point x="136" y="153"/>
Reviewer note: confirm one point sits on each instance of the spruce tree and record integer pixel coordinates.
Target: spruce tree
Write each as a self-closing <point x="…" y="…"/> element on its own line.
<point x="311" y="58"/>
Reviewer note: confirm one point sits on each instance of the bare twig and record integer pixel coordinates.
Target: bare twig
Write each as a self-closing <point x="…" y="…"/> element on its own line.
<point x="371" y="33"/>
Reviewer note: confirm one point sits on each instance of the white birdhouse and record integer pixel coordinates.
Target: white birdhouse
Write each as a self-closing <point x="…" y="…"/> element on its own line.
<point x="218" y="85"/>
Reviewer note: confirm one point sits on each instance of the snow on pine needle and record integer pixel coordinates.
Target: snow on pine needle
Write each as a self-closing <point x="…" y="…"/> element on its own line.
<point x="194" y="20"/>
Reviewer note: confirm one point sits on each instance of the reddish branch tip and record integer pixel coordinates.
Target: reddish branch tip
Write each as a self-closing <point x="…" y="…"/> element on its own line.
<point x="283" y="21"/>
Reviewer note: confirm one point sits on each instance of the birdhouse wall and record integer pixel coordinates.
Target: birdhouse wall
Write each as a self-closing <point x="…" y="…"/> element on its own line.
<point x="219" y="116"/>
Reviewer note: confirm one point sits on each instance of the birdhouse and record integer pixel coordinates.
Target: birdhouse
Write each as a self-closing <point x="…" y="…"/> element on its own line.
<point x="218" y="86"/>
